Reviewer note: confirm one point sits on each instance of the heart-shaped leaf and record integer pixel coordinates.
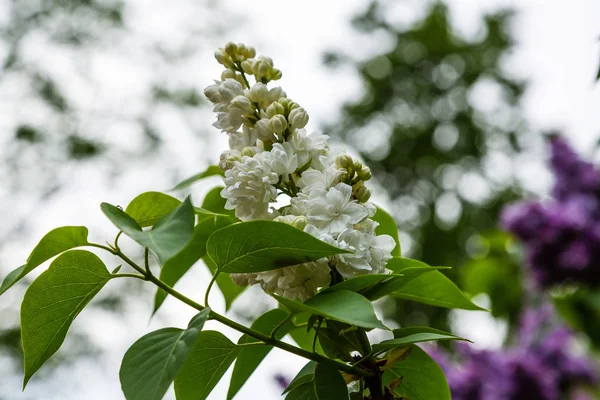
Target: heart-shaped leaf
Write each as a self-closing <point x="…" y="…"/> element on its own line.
<point x="204" y="367"/>
<point x="55" y="242"/>
<point x="148" y="208"/>
<point x="151" y="363"/>
<point x="166" y="238"/>
<point x="53" y="301"/>
<point x="258" y="246"/>
<point x="341" y="305"/>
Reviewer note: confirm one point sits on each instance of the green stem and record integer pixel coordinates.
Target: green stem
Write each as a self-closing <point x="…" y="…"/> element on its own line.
<point x="210" y="285"/>
<point x="117" y="240"/>
<point x="279" y="325"/>
<point x="146" y="260"/>
<point x="142" y="277"/>
<point x="354" y="370"/>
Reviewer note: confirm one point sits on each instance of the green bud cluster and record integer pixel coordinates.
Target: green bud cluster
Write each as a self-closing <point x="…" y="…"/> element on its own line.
<point x="262" y="69"/>
<point x="355" y="175"/>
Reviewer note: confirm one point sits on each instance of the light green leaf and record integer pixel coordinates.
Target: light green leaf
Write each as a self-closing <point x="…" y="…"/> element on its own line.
<point x="147" y="208"/>
<point x="329" y="383"/>
<point x="213" y="170"/>
<point x="250" y="358"/>
<point x="151" y="363"/>
<point x="411" y="335"/>
<point x="178" y="265"/>
<point x="209" y="360"/>
<point x="258" y="246"/>
<point x="422" y="378"/>
<point x="55" y="242"/>
<point x="387" y="226"/>
<point x="341" y="305"/>
<point x="53" y="301"/>
<point x="432" y="287"/>
<point x="306" y="375"/>
<point x="166" y="238"/>
<point x="300" y="335"/>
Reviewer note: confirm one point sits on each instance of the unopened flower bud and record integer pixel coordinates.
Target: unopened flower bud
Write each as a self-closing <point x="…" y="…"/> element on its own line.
<point x="278" y="124"/>
<point x="228" y="74"/>
<point x="247" y="66"/>
<point x="250" y="52"/>
<point x="300" y="222"/>
<point x="228" y="159"/>
<point x="363" y="194"/>
<point x="356" y="166"/>
<point x="223" y="58"/>
<point x="231" y="48"/>
<point x="243" y="104"/>
<point x="364" y="173"/>
<point x="298" y="118"/>
<point x="343" y="161"/>
<point x="248" y="151"/>
<point x="263" y="132"/>
<point x="213" y="94"/>
<point x="258" y="93"/>
<point x="275" y="74"/>
<point x="275" y="109"/>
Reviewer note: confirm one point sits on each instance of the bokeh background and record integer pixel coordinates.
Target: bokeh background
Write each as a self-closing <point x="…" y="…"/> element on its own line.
<point x="448" y="103"/>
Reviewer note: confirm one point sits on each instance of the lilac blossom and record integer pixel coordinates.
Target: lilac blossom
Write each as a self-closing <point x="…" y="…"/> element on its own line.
<point x="562" y="236"/>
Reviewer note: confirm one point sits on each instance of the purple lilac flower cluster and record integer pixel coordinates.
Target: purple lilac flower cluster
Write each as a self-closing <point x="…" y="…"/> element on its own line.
<point x="562" y="236"/>
<point x="541" y="366"/>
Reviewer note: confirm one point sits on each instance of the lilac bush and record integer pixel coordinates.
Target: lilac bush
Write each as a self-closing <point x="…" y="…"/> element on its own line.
<point x="541" y="365"/>
<point x="562" y="236"/>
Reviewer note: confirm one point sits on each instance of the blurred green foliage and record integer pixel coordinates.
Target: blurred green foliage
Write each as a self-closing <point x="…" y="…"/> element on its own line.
<point x="439" y="124"/>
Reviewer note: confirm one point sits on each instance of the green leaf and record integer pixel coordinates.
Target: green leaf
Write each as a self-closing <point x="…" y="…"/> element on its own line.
<point x="306" y="375"/>
<point x="329" y="383"/>
<point x="166" y="238"/>
<point x="301" y="336"/>
<point x="209" y="360"/>
<point x="335" y="346"/>
<point x="250" y="358"/>
<point x="387" y="226"/>
<point x="53" y="301"/>
<point x="151" y="363"/>
<point x="147" y="208"/>
<point x="431" y="287"/>
<point x="179" y="264"/>
<point x="215" y="203"/>
<point x="422" y="378"/>
<point x="55" y="242"/>
<point x="213" y="170"/>
<point x="258" y="246"/>
<point x="306" y="391"/>
<point x="411" y="335"/>
<point x="341" y="305"/>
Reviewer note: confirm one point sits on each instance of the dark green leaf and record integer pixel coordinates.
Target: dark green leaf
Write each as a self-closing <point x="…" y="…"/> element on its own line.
<point x="258" y="246"/>
<point x="178" y="265"/>
<point x="422" y="378"/>
<point x="55" y="242"/>
<point x="435" y="289"/>
<point x="335" y="346"/>
<point x="204" y="367"/>
<point x="329" y="383"/>
<point x="213" y="170"/>
<point x="147" y="208"/>
<point x="387" y="226"/>
<point x="431" y="287"/>
<point x="249" y="358"/>
<point x="411" y="335"/>
<point x="166" y="238"/>
<point x="306" y="375"/>
<point x="341" y="305"/>
<point x="53" y="301"/>
<point x="151" y="363"/>
<point x="305" y="391"/>
<point x="301" y="336"/>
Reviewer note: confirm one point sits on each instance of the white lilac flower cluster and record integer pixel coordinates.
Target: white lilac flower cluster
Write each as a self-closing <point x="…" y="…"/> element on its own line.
<point x="272" y="154"/>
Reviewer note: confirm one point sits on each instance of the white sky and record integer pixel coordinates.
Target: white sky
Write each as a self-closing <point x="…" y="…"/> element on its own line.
<point x="558" y="51"/>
